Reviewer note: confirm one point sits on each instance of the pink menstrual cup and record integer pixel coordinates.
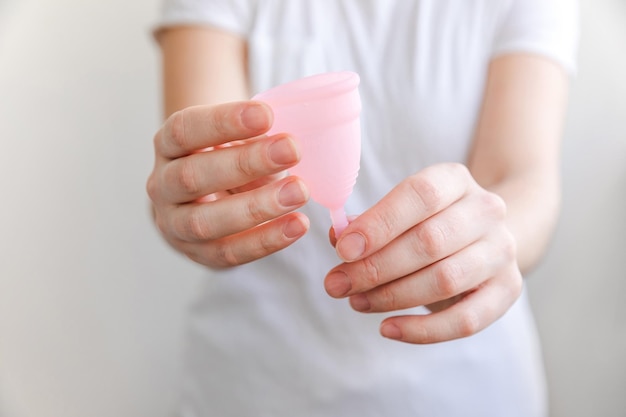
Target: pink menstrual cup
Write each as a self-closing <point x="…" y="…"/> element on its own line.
<point x="321" y="112"/>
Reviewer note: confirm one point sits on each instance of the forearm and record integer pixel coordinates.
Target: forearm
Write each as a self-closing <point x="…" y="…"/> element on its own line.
<point x="533" y="205"/>
<point x="516" y="150"/>
<point x="202" y="65"/>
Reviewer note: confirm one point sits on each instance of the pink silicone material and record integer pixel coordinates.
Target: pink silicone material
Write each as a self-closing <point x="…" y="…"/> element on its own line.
<point x="321" y="113"/>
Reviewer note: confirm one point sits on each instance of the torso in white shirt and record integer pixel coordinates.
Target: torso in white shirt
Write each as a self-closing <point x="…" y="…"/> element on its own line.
<point x="264" y="338"/>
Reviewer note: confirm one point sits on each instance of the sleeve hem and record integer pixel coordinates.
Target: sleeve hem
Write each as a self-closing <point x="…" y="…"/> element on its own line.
<point x="568" y="64"/>
<point x="161" y="27"/>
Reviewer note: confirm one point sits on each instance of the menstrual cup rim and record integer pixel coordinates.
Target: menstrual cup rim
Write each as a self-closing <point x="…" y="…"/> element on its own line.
<point x="297" y="91"/>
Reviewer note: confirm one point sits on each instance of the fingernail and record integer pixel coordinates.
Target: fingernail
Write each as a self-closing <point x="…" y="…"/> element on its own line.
<point x="390" y="331"/>
<point x="294" y="228"/>
<point x="351" y="246"/>
<point x="338" y="284"/>
<point x="360" y="302"/>
<point x="255" y="117"/>
<point x="292" y="194"/>
<point x="283" y="151"/>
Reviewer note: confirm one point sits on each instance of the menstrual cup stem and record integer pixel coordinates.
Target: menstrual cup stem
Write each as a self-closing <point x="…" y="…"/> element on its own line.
<point x="339" y="219"/>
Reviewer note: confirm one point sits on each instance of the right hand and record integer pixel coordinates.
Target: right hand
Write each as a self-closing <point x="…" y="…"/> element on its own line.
<point x="225" y="205"/>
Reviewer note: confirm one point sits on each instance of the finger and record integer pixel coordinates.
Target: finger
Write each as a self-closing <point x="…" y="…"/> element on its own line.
<point x="331" y="232"/>
<point x="445" y="233"/>
<point x="195" y="128"/>
<point x="250" y="245"/>
<point x="189" y="178"/>
<point x="197" y="222"/>
<point x="470" y="315"/>
<point x="448" y="278"/>
<point x="415" y="199"/>
<point x="258" y="183"/>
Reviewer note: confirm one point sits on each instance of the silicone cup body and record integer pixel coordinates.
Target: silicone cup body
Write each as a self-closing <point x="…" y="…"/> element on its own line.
<point x="321" y="113"/>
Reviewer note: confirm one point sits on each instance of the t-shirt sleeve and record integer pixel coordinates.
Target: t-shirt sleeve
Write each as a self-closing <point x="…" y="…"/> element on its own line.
<point x="545" y="27"/>
<point x="231" y="15"/>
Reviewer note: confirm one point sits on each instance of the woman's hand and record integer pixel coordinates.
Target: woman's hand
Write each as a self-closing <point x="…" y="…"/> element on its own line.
<point x="218" y="187"/>
<point x="438" y="240"/>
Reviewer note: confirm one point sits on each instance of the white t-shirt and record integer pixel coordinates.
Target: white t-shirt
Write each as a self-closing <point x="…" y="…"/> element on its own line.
<point x="265" y="339"/>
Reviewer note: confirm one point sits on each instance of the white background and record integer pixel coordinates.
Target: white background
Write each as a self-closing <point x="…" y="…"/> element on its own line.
<point x="92" y="302"/>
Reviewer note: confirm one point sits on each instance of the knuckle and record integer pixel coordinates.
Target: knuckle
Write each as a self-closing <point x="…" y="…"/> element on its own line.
<point x="244" y="162"/>
<point x="176" y="129"/>
<point x="387" y="223"/>
<point x="426" y="191"/>
<point x="432" y="239"/>
<point x="157" y="141"/>
<point x="461" y="173"/>
<point x="468" y="323"/>
<point x="267" y="244"/>
<point x="222" y="121"/>
<point x="459" y="169"/>
<point x="196" y="257"/>
<point x="186" y="177"/>
<point x="504" y="246"/>
<point x="225" y="255"/>
<point x="385" y="300"/>
<point x="256" y="212"/>
<point x="196" y="226"/>
<point x="448" y="276"/>
<point x="372" y="273"/>
<point x="509" y="247"/>
<point x="152" y="187"/>
<point x="161" y="224"/>
<point x="495" y="204"/>
<point x="383" y="226"/>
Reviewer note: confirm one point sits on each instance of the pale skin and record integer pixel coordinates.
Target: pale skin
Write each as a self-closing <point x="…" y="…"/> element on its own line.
<point x="451" y="237"/>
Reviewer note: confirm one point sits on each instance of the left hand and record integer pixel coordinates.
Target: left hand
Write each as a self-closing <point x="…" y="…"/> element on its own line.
<point x="439" y="240"/>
